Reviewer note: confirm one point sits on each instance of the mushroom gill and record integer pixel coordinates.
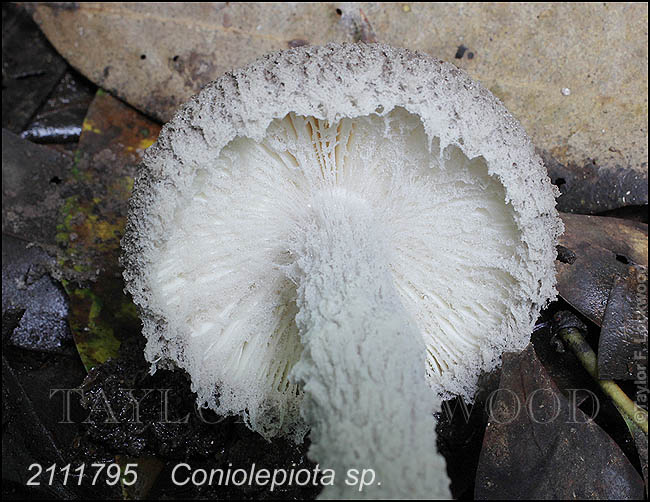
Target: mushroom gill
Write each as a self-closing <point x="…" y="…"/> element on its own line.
<point x="336" y="238"/>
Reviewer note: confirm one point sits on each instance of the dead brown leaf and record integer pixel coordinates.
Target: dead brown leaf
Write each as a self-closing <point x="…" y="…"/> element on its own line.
<point x="603" y="284"/>
<point x="539" y="445"/>
<point x="575" y="75"/>
<point x="603" y="247"/>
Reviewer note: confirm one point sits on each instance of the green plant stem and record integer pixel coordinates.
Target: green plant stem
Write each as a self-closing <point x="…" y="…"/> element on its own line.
<point x="587" y="357"/>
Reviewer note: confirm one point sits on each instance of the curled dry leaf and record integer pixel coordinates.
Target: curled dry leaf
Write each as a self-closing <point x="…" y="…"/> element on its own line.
<point x="626" y="239"/>
<point x="641" y="443"/>
<point x="623" y="343"/>
<point x="538" y="446"/>
<point x="605" y="284"/>
<point x="603" y="248"/>
<point x="30" y="68"/>
<point x="61" y="117"/>
<point x="156" y="55"/>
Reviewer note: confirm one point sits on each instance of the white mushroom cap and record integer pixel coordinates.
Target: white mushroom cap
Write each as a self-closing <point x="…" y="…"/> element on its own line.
<point x="464" y="203"/>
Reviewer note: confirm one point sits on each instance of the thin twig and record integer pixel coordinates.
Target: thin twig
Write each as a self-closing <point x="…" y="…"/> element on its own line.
<point x="587" y="357"/>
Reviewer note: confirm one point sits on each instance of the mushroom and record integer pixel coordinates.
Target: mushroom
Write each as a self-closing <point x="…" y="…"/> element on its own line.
<point x="336" y="238"/>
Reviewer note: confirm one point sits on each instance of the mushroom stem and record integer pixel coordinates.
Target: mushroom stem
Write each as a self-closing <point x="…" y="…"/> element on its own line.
<point x="362" y="369"/>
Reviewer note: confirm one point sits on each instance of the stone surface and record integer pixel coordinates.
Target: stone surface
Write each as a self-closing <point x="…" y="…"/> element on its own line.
<point x="31" y="296"/>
